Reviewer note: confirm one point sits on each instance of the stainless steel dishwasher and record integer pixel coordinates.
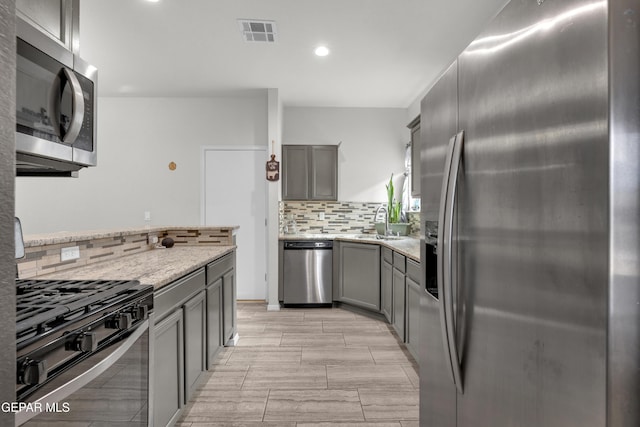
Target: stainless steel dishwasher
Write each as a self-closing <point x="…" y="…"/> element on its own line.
<point x="308" y="273"/>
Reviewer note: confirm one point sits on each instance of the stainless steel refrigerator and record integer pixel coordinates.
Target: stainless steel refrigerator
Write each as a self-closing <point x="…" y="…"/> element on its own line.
<point x="531" y="203"/>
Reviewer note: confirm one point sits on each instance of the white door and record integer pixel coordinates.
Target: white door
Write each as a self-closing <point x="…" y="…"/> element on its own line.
<point x="235" y="193"/>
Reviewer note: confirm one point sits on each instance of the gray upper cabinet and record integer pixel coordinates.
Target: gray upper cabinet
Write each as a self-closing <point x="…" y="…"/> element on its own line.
<point x="295" y="172"/>
<point x="414" y="126"/>
<point x="309" y="172"/>
<point x="324" y="172"/>
<point x="58" y="19"/>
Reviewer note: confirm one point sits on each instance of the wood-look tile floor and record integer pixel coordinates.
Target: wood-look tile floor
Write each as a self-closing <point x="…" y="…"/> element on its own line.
<point x="311" y="367"/>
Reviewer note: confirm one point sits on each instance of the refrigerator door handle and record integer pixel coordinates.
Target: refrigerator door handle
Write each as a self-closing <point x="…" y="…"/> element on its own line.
<point x="443" y="263"/>
<point x="445" y="255"/>
<point x="456" y="160"/>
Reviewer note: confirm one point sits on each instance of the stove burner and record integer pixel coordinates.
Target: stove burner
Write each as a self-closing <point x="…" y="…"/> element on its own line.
<point x="43" y="305"/>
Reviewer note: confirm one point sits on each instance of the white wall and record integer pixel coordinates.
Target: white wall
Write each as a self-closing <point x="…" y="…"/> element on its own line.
<point x="137" y="139"/>
<point x="373" y="144"/>
<point x="274" y="189"/>
<point x="413" y="109"/>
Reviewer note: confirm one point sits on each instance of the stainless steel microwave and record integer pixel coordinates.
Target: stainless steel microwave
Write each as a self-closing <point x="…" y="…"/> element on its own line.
<point x="55" y="107"/>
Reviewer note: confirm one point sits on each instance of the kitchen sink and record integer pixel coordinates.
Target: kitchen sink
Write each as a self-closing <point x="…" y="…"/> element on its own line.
<point x="377" y="237"/>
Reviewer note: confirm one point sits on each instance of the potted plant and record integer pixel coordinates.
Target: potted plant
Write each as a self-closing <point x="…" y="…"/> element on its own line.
<point x="394" y="214"/>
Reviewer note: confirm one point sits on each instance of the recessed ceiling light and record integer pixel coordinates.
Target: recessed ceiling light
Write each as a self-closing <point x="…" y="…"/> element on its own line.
<point x="322" y="51"/>
<point x="153" y="1"/>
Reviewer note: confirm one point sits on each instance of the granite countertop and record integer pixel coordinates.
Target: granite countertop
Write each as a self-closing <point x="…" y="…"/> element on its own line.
<point x="407" y="246"/>
<point x="157" y="267"/>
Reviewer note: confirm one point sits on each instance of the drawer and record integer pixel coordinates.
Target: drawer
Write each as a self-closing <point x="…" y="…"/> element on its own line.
<point x="177" y="293"/>
<point x="218" y="267"/>
<point x="387" y="255"/>
<point x="399" y="261"/>
<point x="413" y="270"/>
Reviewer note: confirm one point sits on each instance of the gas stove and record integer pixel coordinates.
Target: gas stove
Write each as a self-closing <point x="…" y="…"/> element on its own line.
<point x="60" y="323"/>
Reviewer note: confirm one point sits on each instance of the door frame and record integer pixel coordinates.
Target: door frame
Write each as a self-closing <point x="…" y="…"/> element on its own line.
<point x="203" y="193"/>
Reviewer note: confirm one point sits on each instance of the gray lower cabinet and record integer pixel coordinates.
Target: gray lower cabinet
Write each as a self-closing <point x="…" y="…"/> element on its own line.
<point x="386" y="284"/>
<point x="185" y="310"/>
<point x="399" y="294"/>
<point x="168" y="370"/>
<point x="195" y="315"/>
<point x="399" y="290"/>
<point x="414" y="291"/>
<point x="214" y="320"/>
<point x="381" y="280"/>
<point x="179" y="356"/>
<point x="413" y="317"/>
<point x="229" y="307"/>
<point x="359" y="275"/>
<point x="222" y="273"/>
<point x="195" y="355"/>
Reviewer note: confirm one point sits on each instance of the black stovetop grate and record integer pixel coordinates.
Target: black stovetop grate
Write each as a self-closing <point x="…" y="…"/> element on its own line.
<point x="41" y="302"/>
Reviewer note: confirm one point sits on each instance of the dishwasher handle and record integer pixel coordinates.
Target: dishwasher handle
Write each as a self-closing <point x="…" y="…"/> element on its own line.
<point x="309" y="244"/>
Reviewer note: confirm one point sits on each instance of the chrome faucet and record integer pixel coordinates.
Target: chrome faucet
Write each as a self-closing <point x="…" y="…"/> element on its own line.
<point x="386" y="218"/>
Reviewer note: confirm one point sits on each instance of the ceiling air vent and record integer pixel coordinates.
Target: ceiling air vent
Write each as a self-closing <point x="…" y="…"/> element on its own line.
<point x="258" y="31"/>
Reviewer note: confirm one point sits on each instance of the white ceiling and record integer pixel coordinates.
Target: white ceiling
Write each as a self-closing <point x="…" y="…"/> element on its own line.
<point x="384" y="53"/>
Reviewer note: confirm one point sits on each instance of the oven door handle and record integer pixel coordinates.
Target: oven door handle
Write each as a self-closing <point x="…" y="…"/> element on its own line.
<point x="85" y="378"/>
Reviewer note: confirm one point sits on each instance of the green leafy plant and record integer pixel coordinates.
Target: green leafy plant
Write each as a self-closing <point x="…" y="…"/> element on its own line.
<point x="394" y="208"/>
<point x="394" y="213"/>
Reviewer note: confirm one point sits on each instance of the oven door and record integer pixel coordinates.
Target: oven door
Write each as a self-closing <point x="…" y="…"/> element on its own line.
<point x="110" y="387"/>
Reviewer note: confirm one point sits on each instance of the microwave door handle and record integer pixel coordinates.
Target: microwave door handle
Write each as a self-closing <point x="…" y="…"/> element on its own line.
<point x="77" y="106"/>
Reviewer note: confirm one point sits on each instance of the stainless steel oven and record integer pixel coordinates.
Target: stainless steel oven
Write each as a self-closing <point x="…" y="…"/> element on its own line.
<point x="55" y="106"/>
<point x="83" y="353"/>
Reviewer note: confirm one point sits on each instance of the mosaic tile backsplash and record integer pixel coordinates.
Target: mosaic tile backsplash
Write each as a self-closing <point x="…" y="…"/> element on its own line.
<point x="43" y="259"/>
<point x="339" y="217"/>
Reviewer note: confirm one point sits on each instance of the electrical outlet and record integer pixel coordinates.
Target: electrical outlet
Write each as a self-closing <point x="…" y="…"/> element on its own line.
<point x="321" y="216"/>
<point x="152" y="240"/>
<point x="67" y="254"/>
<point x="147" y="216"/>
